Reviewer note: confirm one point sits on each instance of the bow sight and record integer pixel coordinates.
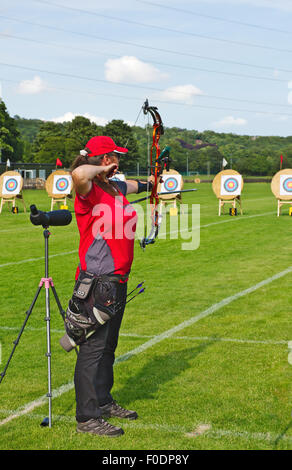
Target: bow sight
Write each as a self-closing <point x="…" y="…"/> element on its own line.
<point x="164" y="157"/>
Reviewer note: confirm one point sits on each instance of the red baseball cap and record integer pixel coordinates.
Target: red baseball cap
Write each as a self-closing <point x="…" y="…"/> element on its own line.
<point x="102" y="144"/>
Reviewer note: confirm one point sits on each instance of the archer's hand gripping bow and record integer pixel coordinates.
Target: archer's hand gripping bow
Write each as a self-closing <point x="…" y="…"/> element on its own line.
<point x="156" y="164"/>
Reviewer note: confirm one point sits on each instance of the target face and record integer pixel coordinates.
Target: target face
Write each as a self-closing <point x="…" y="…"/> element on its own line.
<point x="62" y="184"/>
<point x="231" y="185"/>
<point x="11" y="185"/>
<point x="171" y="183"/>
<point x="286" y="185"/>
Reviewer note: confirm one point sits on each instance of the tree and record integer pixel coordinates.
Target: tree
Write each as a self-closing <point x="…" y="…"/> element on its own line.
<point x="72" y="149"/>
<point x="122" y="135"/>
<point x="10" y="143"/>
<point x="45" y="137"/>
<point x="52" y="147"/>
<point x="81" y="129"/>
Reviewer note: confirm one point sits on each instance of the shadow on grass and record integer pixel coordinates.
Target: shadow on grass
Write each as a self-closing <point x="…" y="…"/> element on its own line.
<point x="159" y="370"/>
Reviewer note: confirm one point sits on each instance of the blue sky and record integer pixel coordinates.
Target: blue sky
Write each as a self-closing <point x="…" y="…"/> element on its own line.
<point x="207" y="65"/>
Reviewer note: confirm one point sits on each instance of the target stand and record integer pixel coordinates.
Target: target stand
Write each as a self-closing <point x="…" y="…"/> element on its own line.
<point x="11" y="183"/>
<point x="59" y="187"/>
<point x="172" y="181"/>
<point x="227" y="186"/>
<point x="281" y="187"/>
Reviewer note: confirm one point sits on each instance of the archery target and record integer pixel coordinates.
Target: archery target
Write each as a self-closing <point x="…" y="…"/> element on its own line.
<point x="281" y="184"/>
<point x="11" y="185"/>
<point x="171" y="183"/>
<point x="62" y="184"/>
<point x="231" y="185"/>
<point x="286" y="185"/>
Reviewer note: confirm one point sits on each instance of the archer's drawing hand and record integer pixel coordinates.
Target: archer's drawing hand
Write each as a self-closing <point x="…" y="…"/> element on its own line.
<point x="151" y="179"/>
<point x="107" y="172"/>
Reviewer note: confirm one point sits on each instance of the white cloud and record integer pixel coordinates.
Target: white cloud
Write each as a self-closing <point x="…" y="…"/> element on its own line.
<point x="32" y="87"/>
<point x="230" y="121"/>
<point x="130" y="69"/>
<point x="181" y="93"/>
<point x="70" y="116"/>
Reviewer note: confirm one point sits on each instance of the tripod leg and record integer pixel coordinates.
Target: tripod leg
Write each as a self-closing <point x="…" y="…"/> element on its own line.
<point x="62" y="313"/>
<point x="48" y="354"/>
<point x="20" y="333"/>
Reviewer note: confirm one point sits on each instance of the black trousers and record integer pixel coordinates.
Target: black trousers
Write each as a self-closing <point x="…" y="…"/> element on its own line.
<point x="94" y="376"/>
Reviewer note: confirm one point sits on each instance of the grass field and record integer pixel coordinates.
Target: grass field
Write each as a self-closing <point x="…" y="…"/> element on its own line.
<point x="202" y="355"/>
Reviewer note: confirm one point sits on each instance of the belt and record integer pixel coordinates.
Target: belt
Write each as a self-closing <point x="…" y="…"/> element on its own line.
<point x="108" y="277"/>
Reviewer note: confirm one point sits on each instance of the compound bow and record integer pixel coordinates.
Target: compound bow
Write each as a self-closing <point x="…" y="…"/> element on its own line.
<point x="156" y="164"/>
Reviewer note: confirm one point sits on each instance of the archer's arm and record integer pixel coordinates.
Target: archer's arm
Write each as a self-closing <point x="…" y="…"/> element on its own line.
<point x="135" y="187"/>
<point x="84" y="175"/>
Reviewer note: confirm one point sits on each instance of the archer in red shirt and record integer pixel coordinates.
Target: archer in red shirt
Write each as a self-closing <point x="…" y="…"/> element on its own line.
<point x="107" y="225"/>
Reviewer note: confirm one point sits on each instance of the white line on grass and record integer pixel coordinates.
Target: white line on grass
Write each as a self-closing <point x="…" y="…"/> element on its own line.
<point x="181" y="338"/>
<point x="233" y="219"/>
<point x="200" y="431"/>
<point x="214" y="338"/>
<point x="161" y="235"/>
<point x="205" y="313"/>
<point x="22" y="229"/>
<point x="157" y="339"/>
<point x="29" y="260"/>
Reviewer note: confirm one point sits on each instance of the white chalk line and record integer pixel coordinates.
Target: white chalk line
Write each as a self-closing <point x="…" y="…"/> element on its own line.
<point x="215" y="338"/>
<point x="22" y="229"/>
<point x="200" y="430"/>
<point x="29" y="260"/>
<point x="180" y="338"/>
<point x="13" y="263"/>
<point x="157" y="339"/>
<point x="232" y="219"/>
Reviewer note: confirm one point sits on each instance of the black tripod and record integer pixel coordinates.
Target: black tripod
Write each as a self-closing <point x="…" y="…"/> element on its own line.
<point x="44" y="218"/>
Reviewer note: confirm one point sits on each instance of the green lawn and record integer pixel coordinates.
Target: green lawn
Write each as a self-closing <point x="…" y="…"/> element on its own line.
<point x="219" y="381"/>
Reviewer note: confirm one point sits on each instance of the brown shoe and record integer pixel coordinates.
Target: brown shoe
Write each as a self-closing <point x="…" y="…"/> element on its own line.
<point x="101" y="427"/>
<point x="113" y="410"/>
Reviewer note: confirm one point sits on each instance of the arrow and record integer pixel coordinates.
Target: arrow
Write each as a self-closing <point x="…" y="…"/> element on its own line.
<point x="160" y="194"/>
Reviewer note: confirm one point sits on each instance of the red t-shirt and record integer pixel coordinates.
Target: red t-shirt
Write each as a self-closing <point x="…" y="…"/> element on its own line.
<point x="107" y="226"/>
